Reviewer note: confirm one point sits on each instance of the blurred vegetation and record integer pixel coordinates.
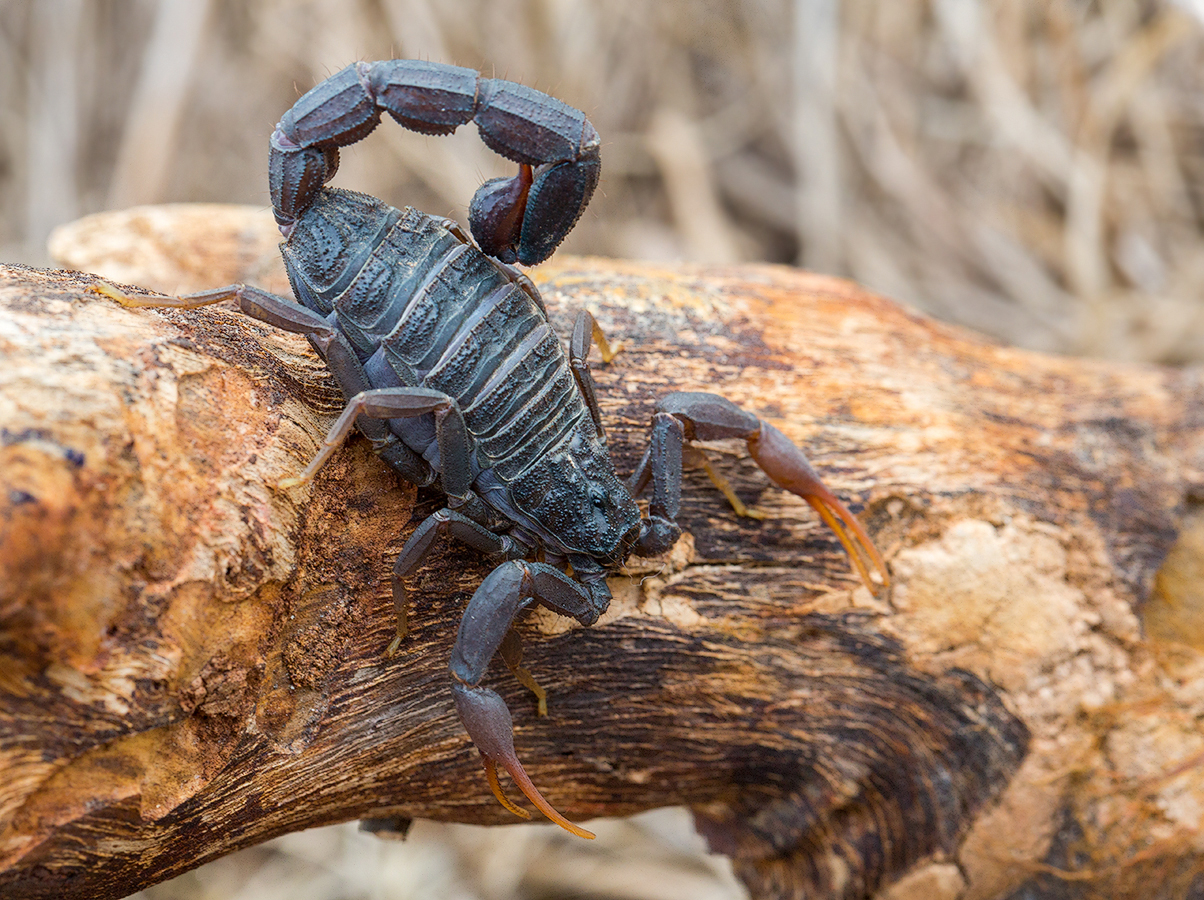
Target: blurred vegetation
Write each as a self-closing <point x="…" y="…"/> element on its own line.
<point x="651" y="856"/>
<point x="1031" y="168"/>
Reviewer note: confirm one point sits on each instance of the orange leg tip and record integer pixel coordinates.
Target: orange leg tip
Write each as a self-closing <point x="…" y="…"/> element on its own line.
<point x="107" y="290"/>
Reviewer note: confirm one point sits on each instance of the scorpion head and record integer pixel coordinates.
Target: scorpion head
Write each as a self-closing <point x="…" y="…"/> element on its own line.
<point x="578" y="504"/>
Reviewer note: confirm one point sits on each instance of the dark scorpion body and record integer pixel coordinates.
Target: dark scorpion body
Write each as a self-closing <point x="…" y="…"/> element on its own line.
<point x="453" y="372"/>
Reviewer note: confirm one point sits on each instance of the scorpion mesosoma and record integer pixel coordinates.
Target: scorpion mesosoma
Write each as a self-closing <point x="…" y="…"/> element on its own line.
<point x="450" y="368"/>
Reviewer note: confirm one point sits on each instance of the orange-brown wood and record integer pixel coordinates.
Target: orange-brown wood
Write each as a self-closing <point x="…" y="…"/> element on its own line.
<point x="191" y="659"/>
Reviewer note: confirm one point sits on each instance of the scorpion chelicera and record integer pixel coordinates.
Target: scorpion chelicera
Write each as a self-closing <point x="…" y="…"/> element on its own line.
<point x="451" y="369"/>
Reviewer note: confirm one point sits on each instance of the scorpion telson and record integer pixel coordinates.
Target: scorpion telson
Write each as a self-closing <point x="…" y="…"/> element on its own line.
<point x="451" y="369"/>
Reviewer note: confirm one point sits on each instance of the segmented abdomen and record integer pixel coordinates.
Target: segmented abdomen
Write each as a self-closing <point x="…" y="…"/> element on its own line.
<point x="423" y="309"/>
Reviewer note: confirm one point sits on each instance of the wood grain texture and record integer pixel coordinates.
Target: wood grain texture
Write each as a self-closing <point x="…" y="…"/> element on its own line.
<point x="191" y="659"/>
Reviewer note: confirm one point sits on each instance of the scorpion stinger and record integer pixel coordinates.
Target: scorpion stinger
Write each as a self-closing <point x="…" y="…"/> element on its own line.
<point x="452" y="370"/>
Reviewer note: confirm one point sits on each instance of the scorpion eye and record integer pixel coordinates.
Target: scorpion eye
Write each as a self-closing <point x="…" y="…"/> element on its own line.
<point x="598" y="502"/>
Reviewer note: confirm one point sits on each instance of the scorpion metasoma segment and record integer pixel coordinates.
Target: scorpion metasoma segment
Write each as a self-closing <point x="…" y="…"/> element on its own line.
<point x="452" y="371"/>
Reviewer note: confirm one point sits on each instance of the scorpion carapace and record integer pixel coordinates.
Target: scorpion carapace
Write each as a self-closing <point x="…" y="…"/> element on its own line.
<point x="453" y="372"/>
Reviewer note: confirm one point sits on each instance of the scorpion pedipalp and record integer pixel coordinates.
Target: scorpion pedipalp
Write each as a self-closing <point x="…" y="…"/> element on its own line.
<point x="488" y="722"/>
<point x="502" y="597"/>
<point x="788" y="468"/>
<point x="689" y="416"/>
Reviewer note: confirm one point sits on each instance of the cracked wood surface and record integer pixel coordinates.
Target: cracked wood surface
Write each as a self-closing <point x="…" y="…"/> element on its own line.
<point x="191" y="659"/>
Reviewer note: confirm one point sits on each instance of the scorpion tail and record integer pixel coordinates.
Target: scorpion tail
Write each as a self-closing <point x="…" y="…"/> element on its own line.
<point x="488" y="722"/>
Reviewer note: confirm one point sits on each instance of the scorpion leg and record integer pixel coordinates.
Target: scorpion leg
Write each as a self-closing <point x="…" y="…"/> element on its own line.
<point x="419" y="545"/>
<point x="331" y="344"/>
<point x="508" y="590"/>
<point x="512" y="655"/>
<point x="466" y="512"/>
<point x="477" y="536"/>
<point x="586" y="333"/>
<point x="402" y="403"/>
<point x="699" y="416"/>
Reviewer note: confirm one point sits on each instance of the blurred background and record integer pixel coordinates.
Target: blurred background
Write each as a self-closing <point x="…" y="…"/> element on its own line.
<point x="1033" y="169"/>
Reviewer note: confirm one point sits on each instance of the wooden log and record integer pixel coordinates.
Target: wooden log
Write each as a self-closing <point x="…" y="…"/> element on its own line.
<point x="191" y="658"/>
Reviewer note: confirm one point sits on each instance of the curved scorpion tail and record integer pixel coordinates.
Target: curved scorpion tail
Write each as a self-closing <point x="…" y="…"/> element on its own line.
<point x="520" y="219"/>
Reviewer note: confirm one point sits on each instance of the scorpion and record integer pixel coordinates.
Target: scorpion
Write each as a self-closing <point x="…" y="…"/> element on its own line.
<point x="450" y="367"/>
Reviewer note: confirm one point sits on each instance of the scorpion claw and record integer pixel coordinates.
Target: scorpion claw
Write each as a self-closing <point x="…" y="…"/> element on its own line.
<point x="496" y="786"/>
<point x="488" y="723"/>
<point x="704" y="417"/>
<point x="786" y="467"/>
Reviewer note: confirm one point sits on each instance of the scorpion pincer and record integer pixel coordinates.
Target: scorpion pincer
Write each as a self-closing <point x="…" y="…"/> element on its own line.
<point x="453" y="372"/>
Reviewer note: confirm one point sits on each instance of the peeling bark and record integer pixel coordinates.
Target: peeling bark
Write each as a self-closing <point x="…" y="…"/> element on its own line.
<point x="191" y="659"/>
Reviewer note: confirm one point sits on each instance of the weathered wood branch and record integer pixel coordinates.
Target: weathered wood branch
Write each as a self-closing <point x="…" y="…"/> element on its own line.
<point x="191" y="659"/>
